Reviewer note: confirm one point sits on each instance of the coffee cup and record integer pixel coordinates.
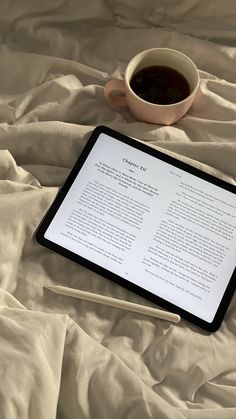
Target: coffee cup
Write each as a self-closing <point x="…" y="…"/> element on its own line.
<point x="144" y="105"/>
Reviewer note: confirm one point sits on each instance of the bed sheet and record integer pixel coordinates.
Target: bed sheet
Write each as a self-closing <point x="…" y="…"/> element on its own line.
<point x="65" y="358"/>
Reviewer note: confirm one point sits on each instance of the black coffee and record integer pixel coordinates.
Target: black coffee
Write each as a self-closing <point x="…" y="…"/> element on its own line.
<point x="159" y="84"/>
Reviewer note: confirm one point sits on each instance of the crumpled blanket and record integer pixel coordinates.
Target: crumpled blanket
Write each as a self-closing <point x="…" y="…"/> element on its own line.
<point x="65" y="358"/>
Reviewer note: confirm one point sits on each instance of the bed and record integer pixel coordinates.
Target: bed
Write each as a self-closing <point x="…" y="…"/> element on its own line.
<point x="64" y="358"/>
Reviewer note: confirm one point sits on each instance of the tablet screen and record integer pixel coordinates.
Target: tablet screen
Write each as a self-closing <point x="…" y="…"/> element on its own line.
<point x="154" y="224"/>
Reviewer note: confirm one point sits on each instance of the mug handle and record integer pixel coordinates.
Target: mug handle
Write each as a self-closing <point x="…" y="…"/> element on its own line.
<point x="114" y="92"/>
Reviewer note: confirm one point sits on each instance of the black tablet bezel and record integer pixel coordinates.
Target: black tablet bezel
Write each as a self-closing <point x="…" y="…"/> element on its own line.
<point x="210" y="327"/>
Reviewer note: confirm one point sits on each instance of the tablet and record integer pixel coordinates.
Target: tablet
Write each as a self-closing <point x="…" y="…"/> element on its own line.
<point x="149" y="222"/>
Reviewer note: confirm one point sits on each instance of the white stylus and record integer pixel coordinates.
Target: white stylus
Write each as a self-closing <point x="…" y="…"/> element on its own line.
<point x="113" y="302"/>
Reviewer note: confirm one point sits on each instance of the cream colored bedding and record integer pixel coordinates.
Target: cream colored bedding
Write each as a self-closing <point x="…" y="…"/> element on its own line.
<point x="64" y="358"/>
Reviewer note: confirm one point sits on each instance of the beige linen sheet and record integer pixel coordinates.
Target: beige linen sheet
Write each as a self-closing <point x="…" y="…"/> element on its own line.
<point x="64" y="358"/>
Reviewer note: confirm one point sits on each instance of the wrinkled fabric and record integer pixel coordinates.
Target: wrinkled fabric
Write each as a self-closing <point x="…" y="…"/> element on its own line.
<point x="65" y="358"/>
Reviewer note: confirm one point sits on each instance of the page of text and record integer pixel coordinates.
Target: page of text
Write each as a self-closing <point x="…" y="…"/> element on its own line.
<point x="156" y="225"/>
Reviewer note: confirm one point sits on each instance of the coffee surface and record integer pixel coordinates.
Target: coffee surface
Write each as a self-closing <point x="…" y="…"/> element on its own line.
<point x="160" y="85"/>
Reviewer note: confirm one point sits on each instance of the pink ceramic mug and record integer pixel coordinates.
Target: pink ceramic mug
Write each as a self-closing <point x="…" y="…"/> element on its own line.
<point x="118" y="93"/>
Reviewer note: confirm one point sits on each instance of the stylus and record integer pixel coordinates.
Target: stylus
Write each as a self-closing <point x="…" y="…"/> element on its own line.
<point x="113" y="302"/>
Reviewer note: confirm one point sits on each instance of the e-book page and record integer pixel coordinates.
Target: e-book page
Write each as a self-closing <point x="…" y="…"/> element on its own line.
<point x="154" y="224"/>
